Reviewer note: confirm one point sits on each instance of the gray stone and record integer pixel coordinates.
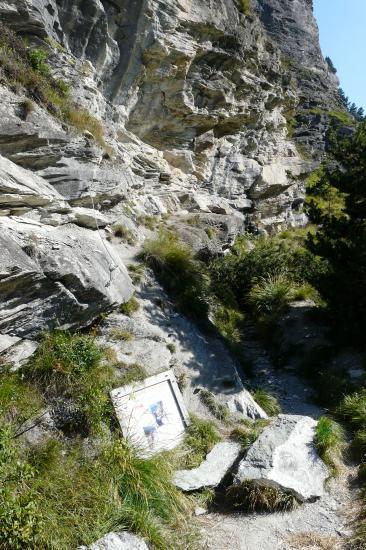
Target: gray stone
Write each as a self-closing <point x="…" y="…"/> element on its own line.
<point x="284" y="456"/>
<point x="56" y="276"/>
<point x="212" y="470"/>
<point x="18" y="353"/>
<point x="244" y="403"/>
<point x="121" y="540"/>
<point x="88" y="217"/>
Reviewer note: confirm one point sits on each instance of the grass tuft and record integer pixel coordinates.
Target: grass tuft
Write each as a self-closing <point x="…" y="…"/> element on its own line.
<point x="220" y="411"/>
<point x="201" y="436"/>
<point x="252" y="497"/>
<point x="267" y="401"/>
<point x="124" y="234"/>
<point x="130" y="307"/>
<point x="329" y="441"/>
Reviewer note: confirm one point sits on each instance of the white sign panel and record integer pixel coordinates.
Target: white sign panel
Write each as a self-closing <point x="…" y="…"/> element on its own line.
<point x="152" y="413"/>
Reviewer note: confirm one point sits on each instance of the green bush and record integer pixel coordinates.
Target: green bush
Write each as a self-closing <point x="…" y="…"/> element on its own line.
<point x="329" y="441"/>
<point x="267" y="401"/>
<point x="38" y="60"/>
<point x="201" y="436"/>
<point x="21" y="523"/>
<point x="353" y="409"/>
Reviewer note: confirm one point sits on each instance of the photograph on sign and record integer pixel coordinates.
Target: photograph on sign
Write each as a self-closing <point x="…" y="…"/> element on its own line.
<point x="152" y="413"/>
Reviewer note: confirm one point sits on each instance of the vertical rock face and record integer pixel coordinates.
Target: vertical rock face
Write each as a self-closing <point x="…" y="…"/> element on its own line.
<point x="197" y="101"/>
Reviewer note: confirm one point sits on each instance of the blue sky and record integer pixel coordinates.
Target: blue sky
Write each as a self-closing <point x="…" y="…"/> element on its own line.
<point x="342" y="26"/>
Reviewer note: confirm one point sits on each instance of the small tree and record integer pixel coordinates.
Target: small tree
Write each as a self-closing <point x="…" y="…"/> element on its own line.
<point x="341" y="238"/>
<point x="331" y="65"/>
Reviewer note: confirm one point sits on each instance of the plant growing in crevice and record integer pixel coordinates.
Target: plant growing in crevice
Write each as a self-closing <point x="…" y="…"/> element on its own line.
<point x="329" y="442"/>
<point x="130" y="307"/>
<point x="252" y="497"/>
<point x="201" y="436"/>
<point x="267" y="401"/>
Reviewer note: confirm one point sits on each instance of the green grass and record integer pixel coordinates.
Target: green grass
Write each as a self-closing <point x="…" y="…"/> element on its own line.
<point x="252" y="497"/>
<point x="130" y="307"/>
<point x="59" y="495"/>
<point x="220" y="411"/>
<point x="329" y="441"/>
<point x="126" y="235"/>
<point x="267" y="401"/>
<point x="55" y="497"/>
<point x="201" y="436"/>
<point x="148" y="221"/>
<point x="182" y="276"/>
<point x="69" y="365"/>
<point x="26" y="70"/>
<point x="352" y="409"/>
<point x="229" y="322"/>
<point x="171" y="347"/>
<point x="342" y="116"/>
<point x="128" y="374"/>
<point x="271" y="295"/>
<point x="245" y="435"/>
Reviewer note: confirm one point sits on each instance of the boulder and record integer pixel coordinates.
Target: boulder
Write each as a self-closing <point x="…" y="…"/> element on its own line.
<point x="18" y="353"/>
<point x="244" y="403"/>
<point x="117" y="541"/>
<point x="88" y="217"/>
<point x="20" y="188"/>
<point x="284" y="456"/>
<point x="56" y="276"/>
<point x="212" y="470"/>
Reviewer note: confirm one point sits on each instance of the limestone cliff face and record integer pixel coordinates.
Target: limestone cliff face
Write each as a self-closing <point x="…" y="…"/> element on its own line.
<point x="197" y="99"/>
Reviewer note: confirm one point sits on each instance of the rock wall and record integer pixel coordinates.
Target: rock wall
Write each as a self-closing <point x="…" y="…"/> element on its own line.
<point x="197" y="100"/>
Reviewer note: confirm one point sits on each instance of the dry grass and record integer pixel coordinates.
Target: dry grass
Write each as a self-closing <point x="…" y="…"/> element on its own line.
<point x="312" y="541"/>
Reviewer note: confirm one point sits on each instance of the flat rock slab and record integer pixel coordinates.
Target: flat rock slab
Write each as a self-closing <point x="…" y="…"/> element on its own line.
<point x="244" y="403"/>
<point x="117" y="541"/>
<point x="212" y="470"/>
<point x="284" y="456"/>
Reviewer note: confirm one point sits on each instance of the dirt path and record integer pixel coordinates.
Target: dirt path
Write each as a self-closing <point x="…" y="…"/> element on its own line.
<point x="322" y="525"/>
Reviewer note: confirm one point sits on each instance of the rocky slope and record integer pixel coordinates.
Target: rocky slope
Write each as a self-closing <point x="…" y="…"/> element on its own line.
<point x="213" y="109"/>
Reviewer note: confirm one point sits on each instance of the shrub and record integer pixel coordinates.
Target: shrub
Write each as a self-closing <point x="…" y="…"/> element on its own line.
<point x="130" y="307"/>
<point x="353" y="409"/>
<point x="125" y="234"/>
<point x="21" y="523"/>
<point x="329" y="441"/>
<point x="229" y="321"/>
<point x="171" y="347"/>
<point x="252" y="497"/>
<point x="245" y="435"/>
<point x="38" y="60"/>
<point x="200" y="438"/>
<point x="271" y="295"/>
<point x="267" y="401"/>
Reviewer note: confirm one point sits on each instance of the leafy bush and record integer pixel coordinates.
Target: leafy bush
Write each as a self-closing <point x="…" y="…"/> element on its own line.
<point x="130" y="307"/>
<point x="329" y="441"/>
<point x="200" y="438"/>
<point x="21" y="524"/>
<point x="38" y="60"/>
<point x="267" y="401"/>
